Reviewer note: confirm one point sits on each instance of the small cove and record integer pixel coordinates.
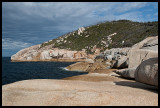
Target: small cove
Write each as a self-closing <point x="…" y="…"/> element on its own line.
<point x="17" y="71"/>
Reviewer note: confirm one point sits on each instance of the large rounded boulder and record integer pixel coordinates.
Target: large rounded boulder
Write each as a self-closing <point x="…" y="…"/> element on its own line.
<point x="147" y="72"/>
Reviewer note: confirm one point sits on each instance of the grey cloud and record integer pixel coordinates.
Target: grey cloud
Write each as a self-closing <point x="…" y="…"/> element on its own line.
<point x="8" y="43"/>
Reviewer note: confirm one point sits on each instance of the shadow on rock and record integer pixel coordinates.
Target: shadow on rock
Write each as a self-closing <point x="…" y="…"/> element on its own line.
<point x="123" y="77"/>
<point x="137" y="85"/>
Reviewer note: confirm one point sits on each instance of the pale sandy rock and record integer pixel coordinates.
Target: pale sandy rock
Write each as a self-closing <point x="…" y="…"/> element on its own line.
<point x="45" y="55"/>
<point x="62" y="51"/>
<point x="148" y="40"/>
<point x="29" y="58"/>
<point x="81" y="30"/>
<point x="89" y="60"/>
<point x="151" y="44"/>
<point x="62" y="39"/>
<point x="115" y="51"/>
<point x="55" y="52"/>
<point x="34" y="53"/>
<point x="30" y="54"/>
<point x="143" y="50"/>
<point x="91" y="56"/>
<point x="147" y="72"/>
<point x="87" y="36"/>
<point x="123" y="42"/>
<point x="79" y="66"/>
<point x="57" y="41"/>
<point x="46" y="92"/>
<point x="108" y="63"/>
<point x="77" y="55"/>
<point x="121" y="63"/>
<point x="65" y="41"/>
<point x="104" y="42"/>
<point x="140" y="52"/>
<point x="80" y="54"/>
<point x="97" y="51"/>
<point x="108" y="57"/>
<point x="22" y="54"/>
<point x="86" y="66"/>
<point x="138" y="55"/>
<point x="97" y="65"/>
<point x="70" y="54"/>
<point x="65" y="55"/>
<point x="51" y="53"/>
<point x="84" y="50"/>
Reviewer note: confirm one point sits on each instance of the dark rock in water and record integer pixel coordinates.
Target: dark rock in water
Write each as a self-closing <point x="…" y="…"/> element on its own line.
<point x="147" y="72"/>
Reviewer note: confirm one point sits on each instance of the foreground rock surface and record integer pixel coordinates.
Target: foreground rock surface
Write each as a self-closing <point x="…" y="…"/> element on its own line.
<point x="45" y="92"/>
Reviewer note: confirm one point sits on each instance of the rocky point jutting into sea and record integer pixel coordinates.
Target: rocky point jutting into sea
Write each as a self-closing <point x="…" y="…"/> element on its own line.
<point x="122" y="66"/>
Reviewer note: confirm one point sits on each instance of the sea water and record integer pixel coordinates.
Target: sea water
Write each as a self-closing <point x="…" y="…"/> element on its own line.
<point x="17" y="71"/>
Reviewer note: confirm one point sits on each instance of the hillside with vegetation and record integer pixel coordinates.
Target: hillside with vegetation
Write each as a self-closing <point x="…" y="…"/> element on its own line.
<point x="114" y="34"/>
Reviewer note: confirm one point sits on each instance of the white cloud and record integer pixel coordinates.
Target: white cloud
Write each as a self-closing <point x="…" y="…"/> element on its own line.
<point x="129" y="6"/>
<point x="134" y="16"/>
<point x="54" y="10"/>
<point x="8" y="43"/>
<point x="69" y="15"/>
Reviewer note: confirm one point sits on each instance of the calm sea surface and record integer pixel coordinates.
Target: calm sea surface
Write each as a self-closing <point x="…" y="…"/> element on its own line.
<point x="17" y="71"/>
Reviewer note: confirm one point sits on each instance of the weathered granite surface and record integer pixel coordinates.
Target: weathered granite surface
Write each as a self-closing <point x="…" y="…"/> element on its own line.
<point x="147" y="72"/>
<point x="47" y="92"/>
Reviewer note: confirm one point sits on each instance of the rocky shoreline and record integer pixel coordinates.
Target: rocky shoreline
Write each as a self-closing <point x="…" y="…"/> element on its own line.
<point x="140" y="62"/>
<point x="116" y="77"/>
<point x="51" y="60"/>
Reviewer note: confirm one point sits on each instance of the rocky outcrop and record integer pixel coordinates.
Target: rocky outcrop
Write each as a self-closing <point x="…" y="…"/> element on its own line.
<point x="35" y="54"/>
<point x="116" y="57"/>
<point x="121" y="63"/>
<point x="126" y="73"/>
<point x="147" y="72"/>
<point x="136" y="57"/>
<point x="89" y="60"/>
<point x="86" y="66"/>
<point x="131" y="57"/>
<point x="81" y="30"/>
<point x="139" y="52"/>
<point x="79" y="66"/>
<point x="49" y="92"/>
<point x="143" y="62"/>
<point x="26" y="54"/>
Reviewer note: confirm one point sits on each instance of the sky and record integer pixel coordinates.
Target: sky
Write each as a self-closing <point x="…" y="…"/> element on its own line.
<point x="25" y="24"/>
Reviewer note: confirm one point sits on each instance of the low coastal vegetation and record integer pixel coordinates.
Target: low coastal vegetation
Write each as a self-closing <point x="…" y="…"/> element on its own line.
<point x="105" y="35"/>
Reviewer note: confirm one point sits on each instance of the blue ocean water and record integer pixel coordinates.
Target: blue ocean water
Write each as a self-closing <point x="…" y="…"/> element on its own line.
<point x="17" y="71"/>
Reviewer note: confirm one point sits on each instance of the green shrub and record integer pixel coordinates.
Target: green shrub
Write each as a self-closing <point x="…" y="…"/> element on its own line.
<point x="128" y="31"/>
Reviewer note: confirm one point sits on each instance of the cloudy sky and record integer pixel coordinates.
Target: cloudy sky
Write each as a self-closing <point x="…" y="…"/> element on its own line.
<point x="27" y="23"/>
